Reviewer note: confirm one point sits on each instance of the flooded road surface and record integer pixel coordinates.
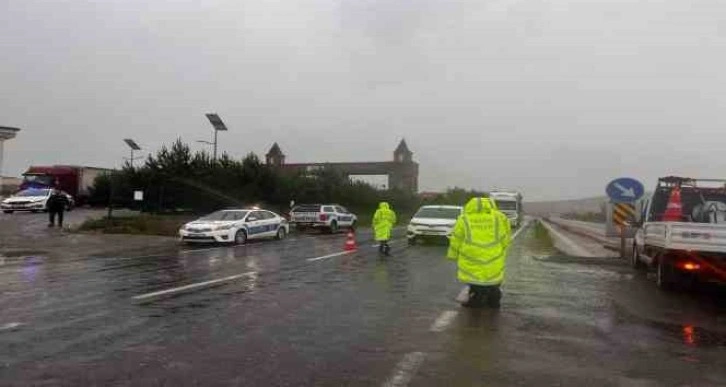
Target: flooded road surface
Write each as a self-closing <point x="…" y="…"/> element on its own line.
<point x="303" y="312"/>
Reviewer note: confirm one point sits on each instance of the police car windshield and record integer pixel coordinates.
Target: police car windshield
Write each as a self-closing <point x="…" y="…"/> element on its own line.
<point x="225" y="215"/>
<point x="33" y="192"/>
<point x="438" y="213"/>
<point x="506" y="205"/>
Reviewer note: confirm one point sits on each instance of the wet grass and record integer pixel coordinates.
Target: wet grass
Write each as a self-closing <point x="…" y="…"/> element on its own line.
<point x="540" y="242"/>
<point x="162" y="225"/>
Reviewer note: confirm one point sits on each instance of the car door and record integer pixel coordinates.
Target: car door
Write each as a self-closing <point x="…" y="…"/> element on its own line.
<point x="255" y="225"/>
<point x="345" y="218"/>
<point x="272" y="223"/>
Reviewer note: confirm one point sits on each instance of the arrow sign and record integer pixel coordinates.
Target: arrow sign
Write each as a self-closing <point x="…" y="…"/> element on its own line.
<point x="625" y="190"/>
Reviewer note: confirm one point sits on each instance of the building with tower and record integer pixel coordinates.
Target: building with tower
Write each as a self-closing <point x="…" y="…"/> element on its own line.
<point x="402" y="172"/>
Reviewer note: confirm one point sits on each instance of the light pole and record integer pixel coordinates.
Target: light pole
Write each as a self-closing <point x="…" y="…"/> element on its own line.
<point x="134" y="147"/>
<point x="6" y="133"/>
<point x="218" y="125"/>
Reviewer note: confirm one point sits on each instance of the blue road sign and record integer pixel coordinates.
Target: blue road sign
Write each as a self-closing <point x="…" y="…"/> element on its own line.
<point x="625" y="190"/>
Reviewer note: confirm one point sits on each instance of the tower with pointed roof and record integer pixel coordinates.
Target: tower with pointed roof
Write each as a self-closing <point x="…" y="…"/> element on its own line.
<point x="402" y="154"/>
<point x="275" y="157"/>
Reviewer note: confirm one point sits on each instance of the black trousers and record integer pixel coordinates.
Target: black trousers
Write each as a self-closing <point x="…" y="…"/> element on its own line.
<point x="52" y="215"/>
<point x="480" y="296"/>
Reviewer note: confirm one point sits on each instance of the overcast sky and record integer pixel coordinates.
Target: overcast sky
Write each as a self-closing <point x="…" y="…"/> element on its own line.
<point x="554" y="97"/>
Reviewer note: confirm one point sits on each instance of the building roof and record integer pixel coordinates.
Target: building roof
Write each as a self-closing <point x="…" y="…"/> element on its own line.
<point x="402" y="147"/>
<point x="275" y="150"/>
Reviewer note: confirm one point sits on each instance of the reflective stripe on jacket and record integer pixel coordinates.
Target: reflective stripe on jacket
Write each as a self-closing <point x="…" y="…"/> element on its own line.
<point x="479" y="243"/>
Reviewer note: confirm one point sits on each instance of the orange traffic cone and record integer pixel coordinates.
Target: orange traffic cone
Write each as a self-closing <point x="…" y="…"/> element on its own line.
<point x="674" y="208"/>
<point x="350" y="244"/>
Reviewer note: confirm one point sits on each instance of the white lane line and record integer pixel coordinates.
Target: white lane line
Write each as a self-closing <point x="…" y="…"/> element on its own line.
<point x="405" y="370"/>
<point x="576" y="249"/>
<point x="193" y="286"/>
<point x="521" y="228"/>
<point x="330" y="255"/>
<point x="9" y="326"/>
<point x="443" y="321"/>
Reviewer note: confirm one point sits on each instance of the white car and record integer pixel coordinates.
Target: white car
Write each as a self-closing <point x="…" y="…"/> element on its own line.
<point x="235" y="226"/>
<point x="31" y="199"/>
<point x="433" y="222"/>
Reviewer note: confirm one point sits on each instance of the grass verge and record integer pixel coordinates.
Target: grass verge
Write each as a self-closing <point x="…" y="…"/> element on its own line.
<point x="162" y="225"/>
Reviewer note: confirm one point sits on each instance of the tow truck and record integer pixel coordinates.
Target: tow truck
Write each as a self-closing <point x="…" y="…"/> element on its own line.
<point x="682" y="232"/>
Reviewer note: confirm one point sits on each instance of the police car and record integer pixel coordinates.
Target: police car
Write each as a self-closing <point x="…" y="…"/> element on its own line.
<point x="235" y="226"/>
<point x="331" y="217"/>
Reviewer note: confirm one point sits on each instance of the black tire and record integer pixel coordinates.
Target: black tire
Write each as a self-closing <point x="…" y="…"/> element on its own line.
<point x="281" y="234"/>
<point x="333" y="227"/>
<point x="665" y="276"/>
<point x="7" y="212"/>
<point x="412" y="241"/>
<point x="240" y="237"/>
<point x="34" y="211"/>
<point x="352" y="225"/>
<point x="635" y="261"/>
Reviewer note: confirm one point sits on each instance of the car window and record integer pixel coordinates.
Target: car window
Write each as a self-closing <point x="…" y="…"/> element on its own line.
<point x="239" y="215"/>
<point x="270" y="215"/>
<point x="328" y="209"/>
<point x="341" y="210"/>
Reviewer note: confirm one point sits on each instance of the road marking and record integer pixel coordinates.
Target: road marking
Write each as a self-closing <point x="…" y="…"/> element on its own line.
<point x="331" y="255"/>
<point x="405" y="370"/>
<point x="193" y="286"/>
<point x="443" y="321"/>
<point x="9" y="326"/>
<point x="577" y="249"/>
<point x="521" y="228"/>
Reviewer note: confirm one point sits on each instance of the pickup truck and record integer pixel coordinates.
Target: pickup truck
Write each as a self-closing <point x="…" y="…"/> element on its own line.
<point x="331" y="217"/>
<point x="691" y="247"/>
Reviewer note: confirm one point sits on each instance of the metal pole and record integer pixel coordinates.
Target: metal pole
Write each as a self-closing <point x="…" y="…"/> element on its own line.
<point x="622" y="242"/>
<point x="132" y="158"/>
<point x="2" y="145"/>
<point x="110" y="196"/>
<point x="215" y="145"/>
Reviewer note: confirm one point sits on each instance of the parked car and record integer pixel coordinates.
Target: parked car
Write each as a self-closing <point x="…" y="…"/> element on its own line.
<point x="331" y="217"/>
<point x="235" y="226"/>
<point x="31" y="199"/>
<point x="433" y="222"/>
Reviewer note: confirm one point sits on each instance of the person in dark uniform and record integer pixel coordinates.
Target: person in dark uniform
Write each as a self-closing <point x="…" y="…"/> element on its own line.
<point x="57" y="204"/>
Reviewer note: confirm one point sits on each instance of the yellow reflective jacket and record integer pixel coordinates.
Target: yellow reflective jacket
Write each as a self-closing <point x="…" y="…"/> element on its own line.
<point x="479" y="243"/>
<point x="383" y="221"/>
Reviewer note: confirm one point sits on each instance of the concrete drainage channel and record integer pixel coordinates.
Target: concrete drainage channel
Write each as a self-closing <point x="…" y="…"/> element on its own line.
<point x="564" y="243"/>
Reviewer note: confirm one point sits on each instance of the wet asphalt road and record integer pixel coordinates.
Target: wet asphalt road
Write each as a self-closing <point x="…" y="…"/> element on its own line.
<point x="298" y="312"/>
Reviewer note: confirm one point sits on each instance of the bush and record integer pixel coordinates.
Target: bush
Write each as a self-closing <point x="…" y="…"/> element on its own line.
<point x="163" y="225"/>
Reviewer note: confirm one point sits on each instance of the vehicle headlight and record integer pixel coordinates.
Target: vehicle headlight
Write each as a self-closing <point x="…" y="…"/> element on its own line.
<point x="223" y="227"/>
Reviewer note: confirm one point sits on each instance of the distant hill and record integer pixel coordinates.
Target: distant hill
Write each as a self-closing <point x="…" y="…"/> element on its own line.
<point x="565" y="206"/>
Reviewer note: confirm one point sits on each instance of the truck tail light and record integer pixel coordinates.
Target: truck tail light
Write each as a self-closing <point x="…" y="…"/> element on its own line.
<point x="690" y="266"/>
<point x="323" y="217"/>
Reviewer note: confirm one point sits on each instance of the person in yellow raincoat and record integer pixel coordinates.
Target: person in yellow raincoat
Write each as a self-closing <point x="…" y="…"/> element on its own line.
<point x="383" y="221"/>
<point x="479" y="245"/>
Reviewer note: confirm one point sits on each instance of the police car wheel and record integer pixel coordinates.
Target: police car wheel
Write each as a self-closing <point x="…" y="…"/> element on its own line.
<point x="281" y="233"/>
<point x="240" y="237"/>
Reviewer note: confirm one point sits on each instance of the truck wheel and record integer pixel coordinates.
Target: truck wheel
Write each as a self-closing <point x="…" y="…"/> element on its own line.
<point x="334" y="227"/>
<point x="635" y="260"/>
<point x="665" y="276"/>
